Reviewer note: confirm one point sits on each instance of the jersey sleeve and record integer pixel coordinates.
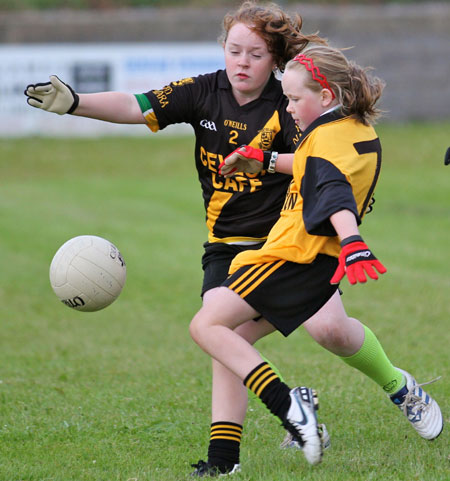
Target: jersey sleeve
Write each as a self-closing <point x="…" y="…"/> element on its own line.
<point x="178" y="102"/>
<point x="148" y="112"/>
<point x="325" y="191"/>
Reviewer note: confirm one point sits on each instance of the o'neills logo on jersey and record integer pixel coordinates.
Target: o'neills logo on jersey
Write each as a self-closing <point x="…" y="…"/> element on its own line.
<point x="208" y="124"/>
<point x="266" y="140"/>
<point x="235" y="125"/>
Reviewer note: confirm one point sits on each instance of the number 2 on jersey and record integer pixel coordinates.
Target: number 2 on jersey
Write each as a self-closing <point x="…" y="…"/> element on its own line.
<point x="233" y="136"/>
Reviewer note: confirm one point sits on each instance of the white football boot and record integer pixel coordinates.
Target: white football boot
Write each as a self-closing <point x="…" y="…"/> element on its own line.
<point x="301" y="422"/>
<point x="290" y="443"/>
<point x="421" y="410"/>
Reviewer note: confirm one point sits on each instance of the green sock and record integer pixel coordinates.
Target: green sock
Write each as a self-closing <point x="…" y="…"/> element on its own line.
<point x="373" y="362"/>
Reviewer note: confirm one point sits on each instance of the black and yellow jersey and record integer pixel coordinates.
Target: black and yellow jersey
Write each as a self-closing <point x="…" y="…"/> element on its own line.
<point x="335" y="167"/>
<point x="245" y="207"/>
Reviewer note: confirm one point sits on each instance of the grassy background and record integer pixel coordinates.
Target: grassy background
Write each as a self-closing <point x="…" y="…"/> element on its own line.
<point x="123" y="394"/>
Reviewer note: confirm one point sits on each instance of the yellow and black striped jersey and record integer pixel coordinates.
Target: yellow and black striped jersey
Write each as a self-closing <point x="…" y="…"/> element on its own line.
<point x="245" y="207"/>
<point x="336" y="167"/>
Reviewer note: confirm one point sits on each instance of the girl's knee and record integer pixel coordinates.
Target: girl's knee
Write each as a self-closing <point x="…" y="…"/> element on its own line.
<point x="329" y="330"/>
<point x="341" y="335"/>
<point x="196" y="327"/>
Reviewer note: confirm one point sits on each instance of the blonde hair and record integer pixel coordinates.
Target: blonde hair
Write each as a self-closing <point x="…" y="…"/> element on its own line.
<point x="280" y="31"/>
<point x="355" y="89"/>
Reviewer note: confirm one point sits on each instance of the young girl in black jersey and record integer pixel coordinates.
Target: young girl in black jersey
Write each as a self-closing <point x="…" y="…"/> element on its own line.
<point x="243" y="104"/>
<point x="293" y="279"/>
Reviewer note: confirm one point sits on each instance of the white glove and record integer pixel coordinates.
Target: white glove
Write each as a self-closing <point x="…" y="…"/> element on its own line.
<point x="54" y="96"/>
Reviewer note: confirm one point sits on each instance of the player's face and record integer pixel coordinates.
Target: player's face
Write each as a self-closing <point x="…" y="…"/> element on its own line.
<point x="248" y="63"/>
<point x="305" y="105"/>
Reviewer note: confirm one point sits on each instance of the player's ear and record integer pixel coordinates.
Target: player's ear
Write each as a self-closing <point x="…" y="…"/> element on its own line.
<point x="327" y="97"/>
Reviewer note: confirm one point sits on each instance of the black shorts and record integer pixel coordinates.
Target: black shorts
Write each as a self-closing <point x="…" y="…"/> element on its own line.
<point x="285" y="293"/>
<point x="216" y="261"/>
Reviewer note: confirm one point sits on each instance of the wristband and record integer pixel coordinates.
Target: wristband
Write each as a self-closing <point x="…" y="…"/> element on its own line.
<point x="350" y="239"/>
<point x="272" y="163"/>
<point x="270" y="160"/>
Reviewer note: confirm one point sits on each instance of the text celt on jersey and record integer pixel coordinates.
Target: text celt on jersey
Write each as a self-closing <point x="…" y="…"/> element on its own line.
<point x="234" y="184"/>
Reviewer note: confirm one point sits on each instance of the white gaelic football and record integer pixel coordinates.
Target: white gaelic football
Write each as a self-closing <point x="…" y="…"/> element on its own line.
<point x="87" y="273"/>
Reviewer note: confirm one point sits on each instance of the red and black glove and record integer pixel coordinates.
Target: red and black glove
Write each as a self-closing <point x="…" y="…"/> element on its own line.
<point x="245" y="159"/>
<point x="356" y="260"/>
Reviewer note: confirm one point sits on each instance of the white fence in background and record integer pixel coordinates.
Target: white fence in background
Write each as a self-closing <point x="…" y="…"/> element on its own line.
<point x="125" y="67"/>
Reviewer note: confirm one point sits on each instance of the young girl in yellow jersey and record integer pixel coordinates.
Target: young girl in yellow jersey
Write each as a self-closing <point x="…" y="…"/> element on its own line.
<point x="293" y="279"/>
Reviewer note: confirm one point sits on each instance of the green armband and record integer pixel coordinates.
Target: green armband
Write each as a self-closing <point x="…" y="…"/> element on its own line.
<point x="144" y="102"/>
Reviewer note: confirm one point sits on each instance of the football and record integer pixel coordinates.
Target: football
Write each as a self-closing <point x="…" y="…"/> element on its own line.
<point x="87" y="273"/>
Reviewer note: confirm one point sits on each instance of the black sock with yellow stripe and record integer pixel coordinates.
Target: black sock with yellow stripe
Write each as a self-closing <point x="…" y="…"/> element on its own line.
<point x="266" y="384"/>
<point x="224" y="444"/>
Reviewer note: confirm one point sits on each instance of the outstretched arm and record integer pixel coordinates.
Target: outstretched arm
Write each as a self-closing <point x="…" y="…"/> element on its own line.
<point x="117" y="107"/>
<point x="58" y="97"/>
<point x="252" y="161"/>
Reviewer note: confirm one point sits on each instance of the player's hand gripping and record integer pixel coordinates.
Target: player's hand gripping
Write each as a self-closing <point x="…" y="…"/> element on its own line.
<point x="356" y="260"/>
<point x="54" y="96"/>
<point x="243" y="159"/>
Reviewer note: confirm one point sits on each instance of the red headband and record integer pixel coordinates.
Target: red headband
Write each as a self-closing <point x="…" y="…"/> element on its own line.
<point x="316" y="75"/>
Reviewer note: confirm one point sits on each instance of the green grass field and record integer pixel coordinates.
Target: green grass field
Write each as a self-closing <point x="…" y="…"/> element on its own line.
<point x="123" y="394"/>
